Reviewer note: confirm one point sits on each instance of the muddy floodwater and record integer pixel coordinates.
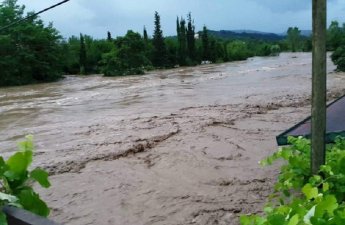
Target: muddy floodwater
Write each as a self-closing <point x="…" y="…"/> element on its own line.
<point x="178" y="146"/>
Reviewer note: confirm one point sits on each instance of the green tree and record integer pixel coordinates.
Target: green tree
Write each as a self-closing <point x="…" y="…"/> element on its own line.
<point x="338" y="58"/>
<point x="146" y="37"/>
<point x="30" y="44"/>
<point x="71" y="55"/>
<point x="275" y="50"/>
<point x="294" y="38"/>
<point x="159" y="54"/>
<point x="127" y="58"/>
<point x="225" y="50"/>
<point x="307" y="44"/>
<point x="335" y="36"/>
<point x="172" y="49"/>
<point x="178" y="28"/>
<point x="182" y="40"/>
<point x="191" y="37"/>
<point x="206" y="55"/>
<point x="82" y="55"/>
<point x="336" y="43"/>
<point x="238" y="50"/>
<point x="109" y="38"/>
<point x="94" y="50"/>
<point x="148" y="47"/>
<point x="213" y="51"/>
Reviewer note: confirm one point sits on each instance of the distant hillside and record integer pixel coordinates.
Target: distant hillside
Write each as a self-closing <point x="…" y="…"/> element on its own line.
<point x="246" y="34"/>
<point x="253" y="34"/>
<point x="305" y="33"/>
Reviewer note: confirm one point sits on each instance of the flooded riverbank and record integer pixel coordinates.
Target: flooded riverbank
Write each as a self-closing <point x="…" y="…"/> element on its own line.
<point x="177" y="146"/>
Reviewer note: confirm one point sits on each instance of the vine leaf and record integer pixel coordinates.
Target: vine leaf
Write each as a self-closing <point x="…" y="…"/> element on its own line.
<point x="276" y="219"/>
<point x="31" y="201"/>
<point x="19" y="162"/>
<point x="309" y="191"/>
<point x="294" y="220"/>
<point x="328" y="204"/>
<point x="41" y="177"/>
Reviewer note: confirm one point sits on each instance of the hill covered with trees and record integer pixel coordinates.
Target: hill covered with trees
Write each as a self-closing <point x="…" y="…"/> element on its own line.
<point x="243" y="34"/>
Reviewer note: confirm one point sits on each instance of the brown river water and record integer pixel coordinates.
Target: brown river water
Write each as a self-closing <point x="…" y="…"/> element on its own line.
<point x="176" y="146"/>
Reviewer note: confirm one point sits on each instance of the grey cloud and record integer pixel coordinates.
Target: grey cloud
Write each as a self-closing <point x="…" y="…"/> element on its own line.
<point x="97" y="17"/>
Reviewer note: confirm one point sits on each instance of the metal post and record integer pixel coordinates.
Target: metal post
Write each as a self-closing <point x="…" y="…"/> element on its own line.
<point x="318" y="127"/>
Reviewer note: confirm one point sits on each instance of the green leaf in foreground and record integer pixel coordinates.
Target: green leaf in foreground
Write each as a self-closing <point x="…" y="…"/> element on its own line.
<point x="19" y="162"/>
<point x="32" y="202"/>
<point x="276" y="219"/>
<point x="328" y="204"/>
<point x="312" y="199"/>
<point x="325" y="187"/>
<point x="251" y="220"/>
<point x="15" y="181"/>
<point x="27" y="145"/>
<point x="294" y="220"/>
<point x="3" y="219"/>
<point x="41" y="177"/>
<point x="310" y="191"/>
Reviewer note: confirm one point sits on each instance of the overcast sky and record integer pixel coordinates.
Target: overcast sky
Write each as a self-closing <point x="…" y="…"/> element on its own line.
<point x="96" y="17"/>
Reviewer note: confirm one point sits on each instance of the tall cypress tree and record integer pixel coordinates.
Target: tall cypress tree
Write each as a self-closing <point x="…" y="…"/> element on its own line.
<point x="182" y="48"/>
<point x="205" y="44"/>
<point x="178" y="28"/>
<point x="82" y="55"/>
<point x="159" y="56"/>
<point x="109" y="38"/>
<point x="191" y="37"/>
<point x="146" y="38"/>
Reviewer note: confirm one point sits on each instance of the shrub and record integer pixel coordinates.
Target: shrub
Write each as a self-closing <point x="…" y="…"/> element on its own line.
<point x="300" y="198"/>
<point x="16" y="182"/>
<point x="338" y="58"/>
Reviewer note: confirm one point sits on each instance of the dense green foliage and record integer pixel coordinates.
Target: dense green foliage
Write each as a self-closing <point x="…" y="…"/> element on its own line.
<point x="238" y="50"/>
<point x="16" y="182"/>
<point x="336" y="43"/>
<point x="182" y="41"/>
<point x="183" y="50"/>
<point x="335" y="36"/>
<point x="294" y="38"/>
<point x="43" y="55"/>
<point x="186" y="55"/>
<point x="30" y="52"/>
<point x="206" y="55"/>
<point x="338" y="58"/>
<point x="301" y="198"/>
<point x="127" y="58"/>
